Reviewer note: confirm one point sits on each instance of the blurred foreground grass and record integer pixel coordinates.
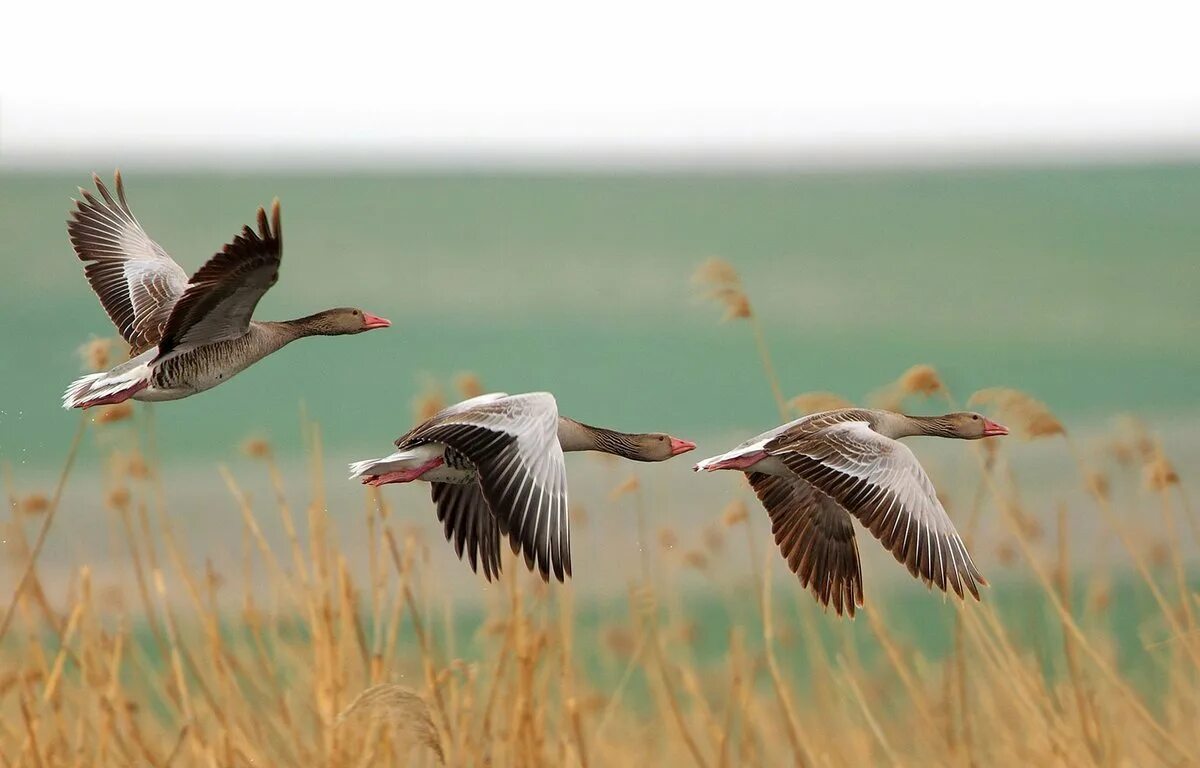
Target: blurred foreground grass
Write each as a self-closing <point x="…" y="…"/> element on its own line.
<point x="296" y="659"/>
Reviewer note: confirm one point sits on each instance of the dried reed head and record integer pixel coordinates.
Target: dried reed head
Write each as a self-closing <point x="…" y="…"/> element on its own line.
<point x="1097" y="484"/>
<point x="96" y="354"/>
<point x="134" y="465"/>
<point x="34" y="504"/>
<point x="256" y="447"/>
<point x="1132" y="443"/>
<point x="109" y="414"/>
<point x="718" y="281"/>
<point x="578" y="516"/>
<point x="696" y="559"/>
<point x="628" y="486"/>
<point x="429" y="401"/>
<point x="818" y="402"/>
<point x="1027" y="415"/>
<point x="468" y="385"/>
<point x="400" y="707"/>
<point x="1006" y="553"/>
<point x="1100" y="597"/>
<point x="619" y="641"/>
<point x="1158" y="554"/>
<point x="919" y="380"/>
<point x="118" y="498"/>
<point x="1159" y="474"/>
<point x="667" y="539"/>
<point x="735" y="513"/>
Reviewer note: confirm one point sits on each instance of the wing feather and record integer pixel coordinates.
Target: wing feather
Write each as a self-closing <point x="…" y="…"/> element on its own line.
<point x="220" y="298"/>
<point x="815" y="537"/>
<point x="513" y="443"/>
<point x="469" y="525"/>
<point x="134" y="278"/>
<point x="879" y="481"/>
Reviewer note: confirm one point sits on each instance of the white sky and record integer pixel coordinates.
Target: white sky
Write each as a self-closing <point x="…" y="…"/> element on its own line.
<point x="612" y="80"/>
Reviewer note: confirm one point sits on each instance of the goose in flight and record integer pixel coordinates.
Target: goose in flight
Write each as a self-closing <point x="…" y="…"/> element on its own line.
<point x="815" y="474"/>
<point x="495" y="465"/>
<point x="186" y="334"/>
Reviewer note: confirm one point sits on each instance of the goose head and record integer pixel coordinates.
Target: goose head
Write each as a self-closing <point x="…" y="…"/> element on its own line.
<point x="967" y="425"/>
<point x="345" y="320"/>
<point x="658" y="446"/>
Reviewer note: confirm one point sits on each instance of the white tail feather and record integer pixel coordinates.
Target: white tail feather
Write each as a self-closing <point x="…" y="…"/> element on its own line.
<point x="96" y="386"/>
<point x="398" y="461"/>
<point x="362" y="468"/>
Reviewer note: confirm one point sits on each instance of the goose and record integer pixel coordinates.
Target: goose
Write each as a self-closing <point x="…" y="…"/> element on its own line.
<point x="814" y="474"/>
<point x="495" y="464"/>
<point x="185" y="335"/>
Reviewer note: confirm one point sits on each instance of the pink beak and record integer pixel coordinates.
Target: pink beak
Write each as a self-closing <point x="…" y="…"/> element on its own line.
<point x="681" y="446"/>
<point x="374" y="321"/>
<point x="992" y="429"/>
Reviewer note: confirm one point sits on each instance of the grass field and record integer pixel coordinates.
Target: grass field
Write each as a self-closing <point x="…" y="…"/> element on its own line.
<point x="185" y="596"/>
<point x="305" y="654"/>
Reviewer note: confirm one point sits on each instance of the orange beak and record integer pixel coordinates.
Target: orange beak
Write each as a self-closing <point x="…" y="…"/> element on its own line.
<point x="681" y="446"/>
<point x="374" y="321"/>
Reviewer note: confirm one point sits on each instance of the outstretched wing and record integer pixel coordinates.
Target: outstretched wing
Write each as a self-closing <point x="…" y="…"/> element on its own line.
<point x="815" y="537"/>
<point x="220" y="298"/>
<point x="513" y="443"/>
<point x="469" y="525"/>
<point x="136" y="281"/>
<point x="879" y="481"/>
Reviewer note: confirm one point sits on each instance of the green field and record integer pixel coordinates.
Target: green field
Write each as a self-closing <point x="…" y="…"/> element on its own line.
<point x="199" y="605"/>
<point x="1077" y="285"/>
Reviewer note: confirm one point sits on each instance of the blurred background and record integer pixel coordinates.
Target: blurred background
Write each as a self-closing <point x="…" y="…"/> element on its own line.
<point x="525" y="191"/>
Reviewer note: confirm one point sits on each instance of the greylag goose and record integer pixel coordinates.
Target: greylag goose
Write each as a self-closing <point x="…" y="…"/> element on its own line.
<point x="186" y="335"/>
<point x="813" y="474"/>
<point x="495" y="463"/>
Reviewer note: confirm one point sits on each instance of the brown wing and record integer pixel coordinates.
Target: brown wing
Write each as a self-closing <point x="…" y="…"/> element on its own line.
<point x="880" y="482"/>
<point x="136" y="281"/>
<point x="815" y="537"/>
<point x="220" y="298"/>
<point x="513" y="442"/>
<point x="469" y="525"/>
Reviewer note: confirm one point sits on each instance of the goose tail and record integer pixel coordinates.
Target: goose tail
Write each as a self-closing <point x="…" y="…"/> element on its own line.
<point x="106" y="388"/>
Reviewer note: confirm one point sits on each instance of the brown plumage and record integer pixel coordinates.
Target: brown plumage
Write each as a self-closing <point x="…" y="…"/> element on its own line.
<point x="186" y="336"/>
<point x="815" y="537"/>
<point x="496" y="466"/>
<point x="221" y="296"/>
<point x="816" y="473"/>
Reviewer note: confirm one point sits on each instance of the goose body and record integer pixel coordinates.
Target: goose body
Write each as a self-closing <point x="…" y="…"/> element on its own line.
<point x="495" y="464"/>
<point x="186" y="335"/>
<point x="817" y="473"/>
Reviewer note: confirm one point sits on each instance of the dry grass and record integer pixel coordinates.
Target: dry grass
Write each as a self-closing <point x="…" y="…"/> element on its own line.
<point x="320" y="672"/>
<point x="317" y="667"/>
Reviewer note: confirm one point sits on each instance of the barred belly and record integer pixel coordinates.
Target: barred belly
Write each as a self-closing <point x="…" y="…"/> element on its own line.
<point x="205" y="367"/>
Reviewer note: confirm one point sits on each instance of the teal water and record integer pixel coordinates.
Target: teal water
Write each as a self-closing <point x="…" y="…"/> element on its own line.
<point x="1077" y="285"/>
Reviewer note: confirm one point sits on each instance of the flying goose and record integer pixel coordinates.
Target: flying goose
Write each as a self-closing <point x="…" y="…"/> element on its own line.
<point x="495" y="463"/>
<point x="813" y="474"/>
<point x="186" y="335"/>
